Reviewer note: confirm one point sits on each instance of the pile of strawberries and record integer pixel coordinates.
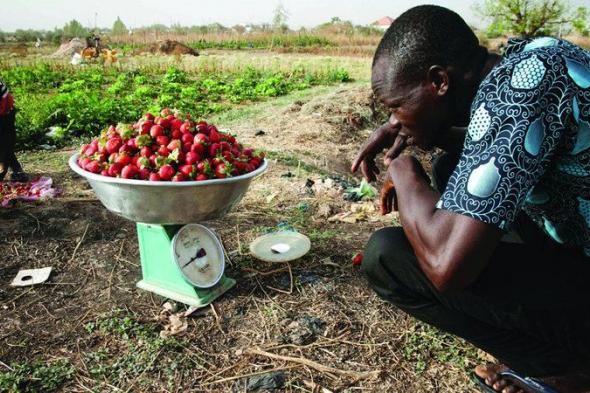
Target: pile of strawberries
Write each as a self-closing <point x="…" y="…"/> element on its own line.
<point x="168" y="147"/>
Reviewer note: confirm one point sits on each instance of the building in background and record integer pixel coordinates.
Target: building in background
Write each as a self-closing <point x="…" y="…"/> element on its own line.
<point x="383" y="23"/>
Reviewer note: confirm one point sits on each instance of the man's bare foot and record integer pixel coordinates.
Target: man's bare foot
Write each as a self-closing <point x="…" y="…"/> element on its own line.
<point x="578" y="382"/>
<point x="491" y="375"/>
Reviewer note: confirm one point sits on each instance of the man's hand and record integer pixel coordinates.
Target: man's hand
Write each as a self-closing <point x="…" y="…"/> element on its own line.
<point x="386" y="136"/>
<point x="402" y="165"/>
<point x="387" y="196"/>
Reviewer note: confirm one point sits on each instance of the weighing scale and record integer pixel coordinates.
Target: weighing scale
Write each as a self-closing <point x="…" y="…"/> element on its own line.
<point x="176" y="263"/>
<point x="180" y="259"/>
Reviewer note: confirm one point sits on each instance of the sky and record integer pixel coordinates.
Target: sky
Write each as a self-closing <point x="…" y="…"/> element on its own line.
<point x="48" y="14"/>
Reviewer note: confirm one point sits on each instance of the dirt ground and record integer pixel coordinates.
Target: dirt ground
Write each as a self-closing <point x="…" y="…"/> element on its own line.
<point x="313" y="324"/>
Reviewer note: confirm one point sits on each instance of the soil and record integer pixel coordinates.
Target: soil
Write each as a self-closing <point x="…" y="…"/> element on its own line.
<point x="318" y="308"/>
<point x="169" y="47"/>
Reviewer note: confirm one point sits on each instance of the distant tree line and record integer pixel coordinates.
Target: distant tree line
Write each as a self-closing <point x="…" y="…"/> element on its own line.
<point x="279" y="24"/>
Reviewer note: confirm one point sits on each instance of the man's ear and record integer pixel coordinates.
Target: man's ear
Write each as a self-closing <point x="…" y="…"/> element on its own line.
<point x="438" y="78"/>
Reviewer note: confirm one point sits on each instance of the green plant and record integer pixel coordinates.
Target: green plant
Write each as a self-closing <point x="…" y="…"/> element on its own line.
<point x="38" y="376"/>
<point x="425" y="343"/>
<point x="87" y="100"/>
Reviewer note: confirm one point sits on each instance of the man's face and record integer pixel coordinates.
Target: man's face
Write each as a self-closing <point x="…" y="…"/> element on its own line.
<point x="417" y="108"/>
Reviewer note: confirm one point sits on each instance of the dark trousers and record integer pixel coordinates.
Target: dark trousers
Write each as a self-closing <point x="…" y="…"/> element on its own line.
<point x="529" y="308"/>
<point x="7" y="143"/>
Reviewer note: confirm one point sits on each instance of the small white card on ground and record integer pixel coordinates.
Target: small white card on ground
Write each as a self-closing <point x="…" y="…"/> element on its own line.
<point x="31" y="277"/>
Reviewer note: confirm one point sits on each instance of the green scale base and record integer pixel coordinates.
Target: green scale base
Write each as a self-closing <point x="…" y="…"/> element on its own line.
<point x="162" y="276"/>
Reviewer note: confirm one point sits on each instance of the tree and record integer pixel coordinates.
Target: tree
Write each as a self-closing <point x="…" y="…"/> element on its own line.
<point x="279" y="20"/>
<point x="119" y="27"/>
<point x="528" y="18"/>
<point x="580" y="22"/>
<point x="74" y="29"/>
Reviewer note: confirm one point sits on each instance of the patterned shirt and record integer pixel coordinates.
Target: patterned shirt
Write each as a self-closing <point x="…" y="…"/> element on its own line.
<point x="528" y="143"/>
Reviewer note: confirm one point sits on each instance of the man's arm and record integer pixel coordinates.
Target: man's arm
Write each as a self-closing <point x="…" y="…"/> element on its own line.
<point x="452" y="249"/>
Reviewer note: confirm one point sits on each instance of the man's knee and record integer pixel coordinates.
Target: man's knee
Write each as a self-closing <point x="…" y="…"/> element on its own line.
<point x="387" y="254"/>
<point x="392" y="270"/>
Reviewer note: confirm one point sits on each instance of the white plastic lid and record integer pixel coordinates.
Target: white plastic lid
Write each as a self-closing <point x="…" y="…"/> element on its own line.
<point x="280" y="246"/>
<point x="199" y="255"/>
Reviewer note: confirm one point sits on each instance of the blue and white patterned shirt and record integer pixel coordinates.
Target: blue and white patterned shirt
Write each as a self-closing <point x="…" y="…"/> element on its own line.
<point x="528" y="143"/>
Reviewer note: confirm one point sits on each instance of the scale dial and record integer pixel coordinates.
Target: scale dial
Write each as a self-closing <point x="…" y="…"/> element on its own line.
<point x="198" y="255"/>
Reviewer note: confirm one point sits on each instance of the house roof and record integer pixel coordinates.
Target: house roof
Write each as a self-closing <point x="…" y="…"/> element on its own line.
<point x="385" y="21"/>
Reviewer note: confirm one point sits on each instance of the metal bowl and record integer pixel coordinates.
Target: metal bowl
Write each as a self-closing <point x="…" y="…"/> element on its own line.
<point x="154" y="202"/>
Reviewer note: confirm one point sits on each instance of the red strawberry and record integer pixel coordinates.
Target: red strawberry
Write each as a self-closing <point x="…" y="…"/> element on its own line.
<point x="113" y="145"/>
<point x="148" y="116"/>
<point x="191" y="158"/>
<point x="163" y="151"/>
<point x="179" y="177"/>
<point x="83" y="148"/>
<point x="82" y="162"/>
<point x="156" y="131"/>
<point x="224" y="146"/>
<point x="174" y="144"/>
<point x="175" y="124"/>
<point x="144" y="173"/>
<point x="154" y="177"/>
<point x="201" y="176"/>
<point x="115" y="169"/>
<point x="357" y="259"/>
<point x="201" y="138"/>
<point x="187" y="138"/>
<point x="125" y="149"/>
<point x="222" y="170"/>
<point x="248" y="151"/>
<point x="166" y="172"/>
<point x="123" y="159"/>
<point x="198" y="148"/>
<point x="105" y="172"/>
<point x="203" y="127"/>
<point x="240" y="166"/>
<point x="145" y="151"/>
<point x="204" y="167"/>
<point x="176" y="134"/>
<point x="132" y="143"/>
<point x="185" y="128"/>
<point x="214" y="149"/>
<point x="93" y="166"/>
<point x="187" y="170"/>
<point x="186" y="147"/>
<point x="145" y="127"/>
<point x="214" y="136"/>
<point x="90" y="150"/>
<point x="129" y="171"/>
<point x="164" y="122"/>
<point x="165" y="112"/>
<point x="162" y="140"/>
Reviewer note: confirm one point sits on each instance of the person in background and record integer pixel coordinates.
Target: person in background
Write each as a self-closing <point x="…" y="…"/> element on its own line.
<point x="8" y="138"/>
<point x="515" y="131"/>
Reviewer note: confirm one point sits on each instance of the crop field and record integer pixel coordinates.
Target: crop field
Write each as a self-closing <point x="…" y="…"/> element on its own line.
<point x="311" y="325"/>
